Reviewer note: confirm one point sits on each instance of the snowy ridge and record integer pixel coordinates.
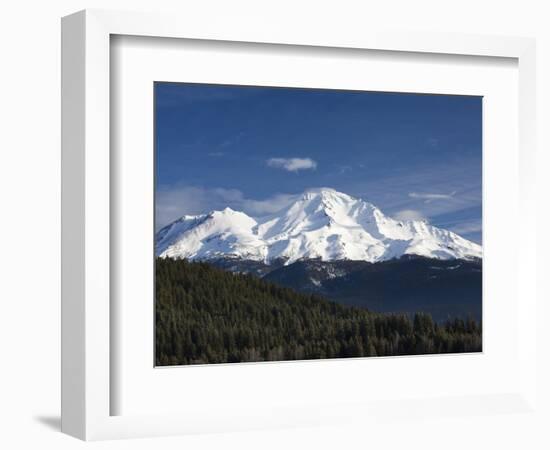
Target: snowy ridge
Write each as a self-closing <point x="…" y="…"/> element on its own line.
<point x="321" y="224"/>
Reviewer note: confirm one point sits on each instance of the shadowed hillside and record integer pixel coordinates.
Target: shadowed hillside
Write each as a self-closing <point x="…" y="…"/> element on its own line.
<point x="441" y="288"/>
<point x="207" y="315"/>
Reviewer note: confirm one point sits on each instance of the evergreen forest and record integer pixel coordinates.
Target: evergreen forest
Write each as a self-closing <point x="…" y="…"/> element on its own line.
<point x="207" y="315"/>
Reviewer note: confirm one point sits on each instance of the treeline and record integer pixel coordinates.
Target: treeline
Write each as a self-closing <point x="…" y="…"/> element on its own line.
<point x="207" y="315"/>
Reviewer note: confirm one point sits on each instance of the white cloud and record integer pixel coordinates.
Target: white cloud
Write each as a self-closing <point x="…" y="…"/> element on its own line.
<point x="172" y="202"/>
<point x="430" y="197"/>
<point x="409" y="214"/>
<point x="292" y="164"/>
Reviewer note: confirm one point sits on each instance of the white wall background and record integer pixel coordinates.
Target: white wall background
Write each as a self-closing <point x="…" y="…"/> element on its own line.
<point x="29" y="225"/>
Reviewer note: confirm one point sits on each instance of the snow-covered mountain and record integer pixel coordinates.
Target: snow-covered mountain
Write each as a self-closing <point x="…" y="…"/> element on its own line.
<point x="322" y="224"/>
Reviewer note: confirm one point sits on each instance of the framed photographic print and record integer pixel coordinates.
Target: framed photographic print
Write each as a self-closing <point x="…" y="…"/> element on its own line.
<point x="266" y="228"/>
<point x="267" y="249"/>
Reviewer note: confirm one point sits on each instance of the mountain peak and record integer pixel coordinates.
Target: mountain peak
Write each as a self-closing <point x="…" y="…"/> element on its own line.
<point x="325" y="193"/>
<point x="321" y="191"/>
<point x="225" y="212"/>
<point x="321" y="224"/>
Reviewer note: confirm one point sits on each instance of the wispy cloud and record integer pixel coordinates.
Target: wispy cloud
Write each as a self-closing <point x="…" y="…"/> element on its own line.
<point x="456" y="187"/>
<point x="447" y="195"/>
<point x="473" y="226"/>
<point x="409" y="214"/>
<point x="428" y="197"/>
<point x="292" y="164"/>
<point x="173" y="202"/>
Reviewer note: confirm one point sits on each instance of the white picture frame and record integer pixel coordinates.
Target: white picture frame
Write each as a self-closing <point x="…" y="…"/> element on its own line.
<point x="87" y="386"/>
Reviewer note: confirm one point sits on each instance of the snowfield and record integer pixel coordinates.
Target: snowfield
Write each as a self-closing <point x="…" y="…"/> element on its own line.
<point x="321" y="224"/>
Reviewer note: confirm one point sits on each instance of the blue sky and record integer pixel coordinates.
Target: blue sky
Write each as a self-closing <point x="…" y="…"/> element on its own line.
<point x="253" y="148"/>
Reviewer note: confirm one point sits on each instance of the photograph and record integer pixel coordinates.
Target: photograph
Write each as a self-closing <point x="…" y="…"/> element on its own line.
<point x="296" y="223"/>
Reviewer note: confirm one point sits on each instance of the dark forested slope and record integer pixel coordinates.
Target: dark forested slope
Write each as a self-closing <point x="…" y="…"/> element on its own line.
<point x="207" y="315"/>
<point x="441" y="288"/>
